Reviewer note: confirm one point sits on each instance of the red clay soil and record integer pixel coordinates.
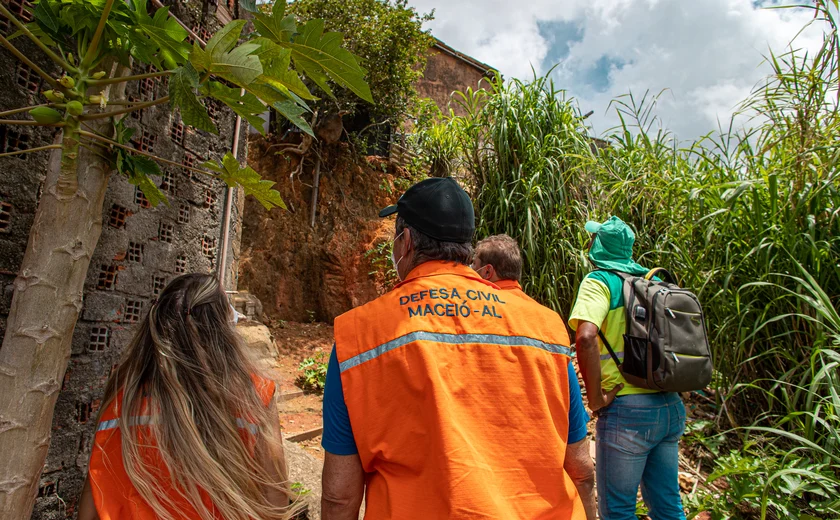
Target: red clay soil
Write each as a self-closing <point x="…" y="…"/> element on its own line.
<point x="299" y="272"/>
<point x="296" y="342"/>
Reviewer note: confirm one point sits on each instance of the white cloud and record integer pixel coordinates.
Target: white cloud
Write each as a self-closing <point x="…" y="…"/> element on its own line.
<point x="707" y="53"/>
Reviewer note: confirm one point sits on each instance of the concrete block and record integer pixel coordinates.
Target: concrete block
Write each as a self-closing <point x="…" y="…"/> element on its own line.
<point x="102" y="306"/>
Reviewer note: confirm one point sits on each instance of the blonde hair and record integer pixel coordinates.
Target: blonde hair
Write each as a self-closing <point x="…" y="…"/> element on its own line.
<point x="188" y="364"/>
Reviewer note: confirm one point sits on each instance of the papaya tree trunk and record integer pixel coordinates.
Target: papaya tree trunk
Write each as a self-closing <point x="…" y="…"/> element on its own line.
<point x="46" y="303"/>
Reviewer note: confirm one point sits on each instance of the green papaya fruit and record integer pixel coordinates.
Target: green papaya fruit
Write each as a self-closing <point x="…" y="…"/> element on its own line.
<point x="75" y="108"/>
<point x="45" y="115"/>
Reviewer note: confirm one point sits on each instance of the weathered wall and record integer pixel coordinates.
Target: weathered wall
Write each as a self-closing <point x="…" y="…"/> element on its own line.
<point x="299" y="272"/>
<point x="445" y="74"/>
<point x="140" y="250"/>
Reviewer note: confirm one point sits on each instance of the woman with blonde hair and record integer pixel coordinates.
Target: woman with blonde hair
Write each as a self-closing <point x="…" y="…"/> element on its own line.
<point x="188" y="430"/>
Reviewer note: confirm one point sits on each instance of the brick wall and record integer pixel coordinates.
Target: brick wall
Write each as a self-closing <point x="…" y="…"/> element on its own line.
<point x="140" y="250"/>
<point x="444" y="74"/>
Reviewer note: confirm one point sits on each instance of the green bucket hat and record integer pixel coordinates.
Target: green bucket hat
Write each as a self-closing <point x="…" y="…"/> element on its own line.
<point x="612" y="248"/>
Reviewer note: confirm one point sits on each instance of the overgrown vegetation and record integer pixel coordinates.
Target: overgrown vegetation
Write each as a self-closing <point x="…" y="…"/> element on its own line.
<point x="388" y="37"/>
<point x="749" y="218"/>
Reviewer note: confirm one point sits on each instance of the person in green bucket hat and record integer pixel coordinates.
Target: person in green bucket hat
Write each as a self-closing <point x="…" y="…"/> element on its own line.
<point x="611" y="247"/>
<point x="638" y="430"/>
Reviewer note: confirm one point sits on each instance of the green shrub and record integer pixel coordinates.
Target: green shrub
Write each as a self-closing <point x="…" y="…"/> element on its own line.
<point x="314" y="375"/>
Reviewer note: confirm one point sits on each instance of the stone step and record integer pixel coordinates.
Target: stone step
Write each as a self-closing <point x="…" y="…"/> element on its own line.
<point x="305" y="436"/>
<point x="288" y="396"/>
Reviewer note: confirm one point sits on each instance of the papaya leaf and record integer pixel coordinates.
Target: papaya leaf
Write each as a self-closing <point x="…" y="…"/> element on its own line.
<point x="278" y="74"/>
<point x="238" y="66"/>
<point x="249" y="5"/>
<point x="38" y="31"/>
<point x="160" y="36"/>
<point x="137" y="169"/>
<point x="268" y="94"/>
<point x="294" y="113"/>
<point x="246" y="106"/>
<point x="277" y="27"/>
<point x="268" y="49"/>
<point x="319" y="55"/>
<point x="46" y="13"/>
<point x="122" y="133"/>
<point x="233" y="174"/>
<point x="182" y="94"/>
<point x="225" y="38"/>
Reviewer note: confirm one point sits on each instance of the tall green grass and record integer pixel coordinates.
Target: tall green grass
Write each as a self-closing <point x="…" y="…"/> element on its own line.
<point x="747" y="216"/>
<point x="524" y="148"/>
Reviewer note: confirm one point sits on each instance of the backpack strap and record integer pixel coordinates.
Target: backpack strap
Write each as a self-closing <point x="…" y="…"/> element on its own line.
<point x="613" y="355"/>
<point x="667" y="276"/>
<point x="606" y="343"/>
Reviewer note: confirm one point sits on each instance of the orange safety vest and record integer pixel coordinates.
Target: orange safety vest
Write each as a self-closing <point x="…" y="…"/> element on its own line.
<point x="115" y="496"/>
<point x="513" y="287"/>
<point x="458" y="396"/>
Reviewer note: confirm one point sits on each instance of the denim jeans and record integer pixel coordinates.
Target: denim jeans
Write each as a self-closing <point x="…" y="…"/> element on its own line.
<point x="637" y="442"/>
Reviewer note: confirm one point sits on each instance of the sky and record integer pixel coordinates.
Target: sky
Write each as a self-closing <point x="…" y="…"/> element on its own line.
<point x="705" y="56"/>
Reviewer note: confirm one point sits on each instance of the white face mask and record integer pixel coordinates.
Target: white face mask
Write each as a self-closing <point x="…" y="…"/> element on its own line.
<point x="394" y="260"/>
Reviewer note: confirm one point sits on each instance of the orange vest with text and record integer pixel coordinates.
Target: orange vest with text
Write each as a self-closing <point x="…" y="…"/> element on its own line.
<point x="512" y="286"/>
<point x="115" y="496"/>
<point x="458" y="397"/>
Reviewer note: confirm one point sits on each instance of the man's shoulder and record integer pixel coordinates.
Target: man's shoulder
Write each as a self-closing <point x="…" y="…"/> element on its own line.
<point x="539" y="313"/>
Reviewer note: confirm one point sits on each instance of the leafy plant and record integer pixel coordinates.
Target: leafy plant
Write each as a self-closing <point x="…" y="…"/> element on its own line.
<point x="768" y="483"/>
<point x="314" y="375"/>
<point x="529" y="162"/>
<point x="388" y="37"/>
<point x="300" y="490"/>
<point x="703" y="432"/>
<point x="94" y="45"/>
<point x="379" y="257"/>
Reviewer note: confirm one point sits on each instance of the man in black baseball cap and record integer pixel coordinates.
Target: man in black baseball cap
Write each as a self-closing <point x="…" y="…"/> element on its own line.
<point x="426" y="386"/>
<point x="435" y="221"/>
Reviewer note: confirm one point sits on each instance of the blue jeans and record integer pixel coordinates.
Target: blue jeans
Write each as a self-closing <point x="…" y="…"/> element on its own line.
<point x="637" y="443"/>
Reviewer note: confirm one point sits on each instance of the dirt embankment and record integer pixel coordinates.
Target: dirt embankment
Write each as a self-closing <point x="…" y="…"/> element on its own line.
<point x="302" y="273"/>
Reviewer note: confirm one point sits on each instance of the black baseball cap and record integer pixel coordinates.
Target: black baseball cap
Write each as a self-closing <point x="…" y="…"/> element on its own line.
<point x="438" y="208"/>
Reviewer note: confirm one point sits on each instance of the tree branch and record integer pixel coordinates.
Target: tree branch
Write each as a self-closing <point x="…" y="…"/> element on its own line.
<point x="97" y="35"/>
<point x="29" y="63"/>
<point x="105" y="140"/>
<point x="26" y="122"/>
<point x="122" y="103"/>
<point x="122" y="79"/>
<point x="134" y="108"/>
<point x="37" y="41"/>
<point x="30" y="150"/>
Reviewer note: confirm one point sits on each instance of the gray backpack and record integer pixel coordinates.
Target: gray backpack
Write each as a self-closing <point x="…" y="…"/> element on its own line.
<point x="665" y="344"/>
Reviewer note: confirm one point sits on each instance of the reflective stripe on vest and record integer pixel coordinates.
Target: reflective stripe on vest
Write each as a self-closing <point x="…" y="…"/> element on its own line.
<point x="145" y="420"/>
<point x="455" y="339"/>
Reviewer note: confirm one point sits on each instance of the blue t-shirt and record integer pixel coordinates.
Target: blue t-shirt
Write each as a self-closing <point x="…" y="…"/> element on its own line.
<point x="338" y="434"/>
